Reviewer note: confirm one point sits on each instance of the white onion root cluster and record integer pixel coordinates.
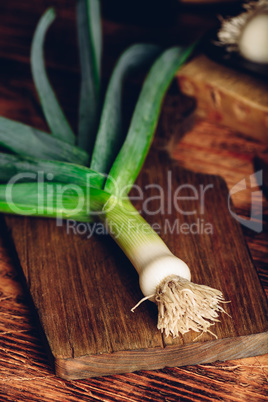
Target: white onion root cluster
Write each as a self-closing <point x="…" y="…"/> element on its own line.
<point x="184" y="306"/>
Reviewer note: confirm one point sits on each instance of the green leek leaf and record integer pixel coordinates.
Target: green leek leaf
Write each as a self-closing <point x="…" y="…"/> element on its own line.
<point x="110" y="136"/>
<point x="54" y="115"/>
<point x="90" y="44"/>
<point x="94" y="26"/>
<point x="25" y="140"/>
<point x="54" y="200"/>
<point x="30" y="169"/>
<point x="131" y="157"/>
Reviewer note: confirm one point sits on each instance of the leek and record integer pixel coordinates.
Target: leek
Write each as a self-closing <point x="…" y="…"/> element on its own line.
<point x="73" y="191"/>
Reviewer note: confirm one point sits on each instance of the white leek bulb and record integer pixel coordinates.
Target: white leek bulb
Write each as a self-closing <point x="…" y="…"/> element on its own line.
<point x="151" y="276"/>
<point x="164" y="278"/>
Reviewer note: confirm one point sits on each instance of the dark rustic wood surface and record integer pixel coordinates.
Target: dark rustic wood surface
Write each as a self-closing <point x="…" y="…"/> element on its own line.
<point x="83" y="289"/>
<point x="25" y="373"/>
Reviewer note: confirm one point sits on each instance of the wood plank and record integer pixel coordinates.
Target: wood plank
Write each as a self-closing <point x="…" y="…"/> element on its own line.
<point x="226" y="96"/>
<point x="24" y="368"/>
<point x="83" y="289"/>
<point x="25" y="374"/>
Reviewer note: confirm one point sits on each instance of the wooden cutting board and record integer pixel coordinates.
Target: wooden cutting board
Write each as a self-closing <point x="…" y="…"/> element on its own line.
<point x="84" y="288"/>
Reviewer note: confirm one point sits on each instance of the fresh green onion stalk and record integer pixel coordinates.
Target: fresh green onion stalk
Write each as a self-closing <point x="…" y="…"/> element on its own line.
<point x="89" y="175"/>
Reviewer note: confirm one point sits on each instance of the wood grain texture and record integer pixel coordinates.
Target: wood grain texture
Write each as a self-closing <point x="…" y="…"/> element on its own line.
<point x="235" y="158"/>
<point x="226" y="96"/>
<point x="83" y="288"/>
<point x="25" y="373"/>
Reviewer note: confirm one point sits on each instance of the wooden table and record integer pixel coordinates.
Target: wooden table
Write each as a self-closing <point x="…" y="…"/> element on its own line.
<point x="25" y="373"/>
